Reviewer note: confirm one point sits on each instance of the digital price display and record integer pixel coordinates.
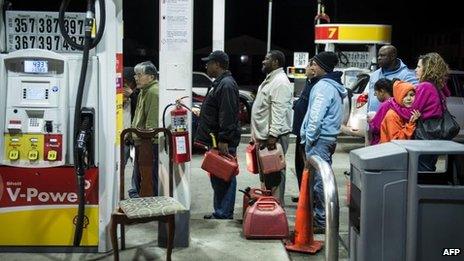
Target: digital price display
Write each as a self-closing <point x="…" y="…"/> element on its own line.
<point x="26" y="29"/>
<point x="36" y="66"/>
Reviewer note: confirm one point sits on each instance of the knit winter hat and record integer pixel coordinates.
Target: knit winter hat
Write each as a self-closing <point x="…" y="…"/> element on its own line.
<point x="326" y="60"/>
<point x="400" y="89"/>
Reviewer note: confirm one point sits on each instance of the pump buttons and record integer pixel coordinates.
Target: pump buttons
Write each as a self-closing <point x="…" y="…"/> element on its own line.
<point x="51" y="155"/>
<point x="33" y="155"/>
<point x="13" y="155"/>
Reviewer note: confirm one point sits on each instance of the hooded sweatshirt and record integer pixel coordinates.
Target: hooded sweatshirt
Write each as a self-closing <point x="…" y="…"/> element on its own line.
<point x="402" y="73"/>
<point x="393" y="126"/>
<point x="429" y="102"/>
<point x="324" y="115"/>
<point x="376" y="122"/>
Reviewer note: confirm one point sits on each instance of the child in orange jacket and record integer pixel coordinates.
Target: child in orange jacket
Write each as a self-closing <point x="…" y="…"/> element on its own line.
<point x="393" y="126"/>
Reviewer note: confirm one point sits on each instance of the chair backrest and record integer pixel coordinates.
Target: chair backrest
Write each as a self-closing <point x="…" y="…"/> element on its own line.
<point x="145" y="141"/>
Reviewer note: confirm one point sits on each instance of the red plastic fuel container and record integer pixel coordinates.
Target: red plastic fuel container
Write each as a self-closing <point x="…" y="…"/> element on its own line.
<point x="265" y="219"/>
<point x="251" y="195"/>
<point x="221" y="166"/>
<point x="271" y="160"/>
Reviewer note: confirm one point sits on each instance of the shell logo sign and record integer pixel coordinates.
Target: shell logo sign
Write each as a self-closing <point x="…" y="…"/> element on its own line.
<point x="352" y="33"/>
<point x="38" y="206"/>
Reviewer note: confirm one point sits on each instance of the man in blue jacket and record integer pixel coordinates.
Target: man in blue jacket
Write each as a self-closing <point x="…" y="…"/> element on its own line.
<point x="390" y="67"/>
<point x="321" y="124"/>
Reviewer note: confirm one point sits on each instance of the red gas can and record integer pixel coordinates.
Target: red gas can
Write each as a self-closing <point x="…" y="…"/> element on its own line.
<point x="251" y="195"/>
<point x="221" y="166"/>
<point x="265" y="219"/>
<point x="271" y="161"/>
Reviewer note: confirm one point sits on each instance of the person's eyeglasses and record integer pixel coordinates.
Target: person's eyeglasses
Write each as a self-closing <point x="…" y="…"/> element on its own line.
<point x="138" y="75"/>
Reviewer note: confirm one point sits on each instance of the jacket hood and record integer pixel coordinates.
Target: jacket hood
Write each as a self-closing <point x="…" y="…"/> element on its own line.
<point x="336" y="76"/>
<point x="400" y="68"/>
<point x="400" y="89"/>
<point x="334" y="79"/>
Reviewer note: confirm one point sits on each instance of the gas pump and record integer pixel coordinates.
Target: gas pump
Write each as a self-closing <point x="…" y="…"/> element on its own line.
<point x="57" y="123"/>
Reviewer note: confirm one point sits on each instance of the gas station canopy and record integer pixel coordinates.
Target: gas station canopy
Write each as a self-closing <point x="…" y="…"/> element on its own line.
<point x="352" y="33"/>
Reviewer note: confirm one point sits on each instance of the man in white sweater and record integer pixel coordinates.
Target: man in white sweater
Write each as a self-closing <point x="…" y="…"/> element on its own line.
<point x="271" y="116"/>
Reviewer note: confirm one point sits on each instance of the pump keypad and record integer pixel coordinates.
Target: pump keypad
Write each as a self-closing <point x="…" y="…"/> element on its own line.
<point x="33" y="155"/>
<point x="51" y="155"/>
<point x="13" y="155"/>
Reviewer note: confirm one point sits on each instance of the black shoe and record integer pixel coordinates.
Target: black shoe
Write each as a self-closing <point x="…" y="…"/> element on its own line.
<point x="318" y="230"/>
<point x="295" y="199"/>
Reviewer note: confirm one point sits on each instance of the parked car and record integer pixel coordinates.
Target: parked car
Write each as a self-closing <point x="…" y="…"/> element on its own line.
<point x="201" y="84"/>
<point x="355" y="109"/>
<point x="355" y="123"/>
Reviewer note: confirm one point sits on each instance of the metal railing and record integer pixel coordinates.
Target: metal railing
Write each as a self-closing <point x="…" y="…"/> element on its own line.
<point x="332" y="210"/>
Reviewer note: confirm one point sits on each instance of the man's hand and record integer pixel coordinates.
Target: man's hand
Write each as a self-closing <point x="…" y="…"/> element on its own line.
<point x="223" y="148"/>
<point x="127" y="92"/>
<point x="196" y="111"/>
<point x="271" y="143"/>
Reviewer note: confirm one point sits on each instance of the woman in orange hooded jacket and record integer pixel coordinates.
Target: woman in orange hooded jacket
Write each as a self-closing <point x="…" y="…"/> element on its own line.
<point x="393" y="127"/>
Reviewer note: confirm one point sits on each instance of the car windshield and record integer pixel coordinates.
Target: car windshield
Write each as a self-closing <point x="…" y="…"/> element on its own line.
<point x="456" y="85"/>
<point x="200" y="80"/>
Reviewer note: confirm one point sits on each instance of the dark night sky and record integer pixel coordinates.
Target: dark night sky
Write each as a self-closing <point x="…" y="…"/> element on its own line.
<point x="417" y="28"/>
<point x="293" y="25"/>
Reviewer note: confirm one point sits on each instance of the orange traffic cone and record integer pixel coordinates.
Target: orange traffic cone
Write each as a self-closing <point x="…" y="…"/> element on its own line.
<point x="304" y="239"/>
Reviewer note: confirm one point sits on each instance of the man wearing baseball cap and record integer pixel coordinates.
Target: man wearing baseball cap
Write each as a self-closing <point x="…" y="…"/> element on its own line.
<point x="219" y="116"/>
<point x="321" y="124"/>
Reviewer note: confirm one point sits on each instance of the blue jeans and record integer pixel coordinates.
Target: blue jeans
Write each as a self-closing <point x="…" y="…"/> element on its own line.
<point x="135" y="182"/>
<point x="324" y="149"/>
<point x="224" y="195"/>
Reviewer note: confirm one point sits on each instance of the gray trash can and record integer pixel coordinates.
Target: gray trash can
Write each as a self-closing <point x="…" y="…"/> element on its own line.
<point x="399" y="213"/>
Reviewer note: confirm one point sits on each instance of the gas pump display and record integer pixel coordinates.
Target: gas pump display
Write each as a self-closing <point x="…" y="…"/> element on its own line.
<point x="26" y="29"/>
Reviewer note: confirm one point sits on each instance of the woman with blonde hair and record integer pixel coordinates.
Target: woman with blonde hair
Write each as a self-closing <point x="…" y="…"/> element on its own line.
<point x="431" y="92"/>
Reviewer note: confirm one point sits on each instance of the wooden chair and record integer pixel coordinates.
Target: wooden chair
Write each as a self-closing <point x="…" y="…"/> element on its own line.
<point x="146" y="208"/>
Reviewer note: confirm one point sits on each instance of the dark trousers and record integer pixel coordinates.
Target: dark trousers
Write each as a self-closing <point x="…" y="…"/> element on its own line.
<point x="224" y="194"/>
<point x="299" y="160"/>
<point x="135" y="189"/>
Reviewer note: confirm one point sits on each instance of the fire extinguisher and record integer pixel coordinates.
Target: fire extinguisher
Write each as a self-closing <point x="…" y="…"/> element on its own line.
<point x="179" y="130"/>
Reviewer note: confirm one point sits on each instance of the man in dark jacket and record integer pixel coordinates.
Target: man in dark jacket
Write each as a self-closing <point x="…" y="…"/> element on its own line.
<point x="219" y="116"/>
<point x="299" y="110"/>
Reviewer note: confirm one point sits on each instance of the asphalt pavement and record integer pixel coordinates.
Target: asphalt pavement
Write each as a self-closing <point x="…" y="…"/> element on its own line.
<point x="222" y="239"/>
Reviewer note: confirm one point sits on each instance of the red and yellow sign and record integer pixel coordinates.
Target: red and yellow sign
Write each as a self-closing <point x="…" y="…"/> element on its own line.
<point x="119" y="96"/>
<point x="38" y="207"/>
<point x="352" y="33"/>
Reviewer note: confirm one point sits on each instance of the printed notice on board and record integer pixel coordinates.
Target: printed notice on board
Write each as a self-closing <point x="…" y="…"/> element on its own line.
<point x="27" y="29"/>
<point x="176" y="17"/>
<point x="181" y="146"/>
